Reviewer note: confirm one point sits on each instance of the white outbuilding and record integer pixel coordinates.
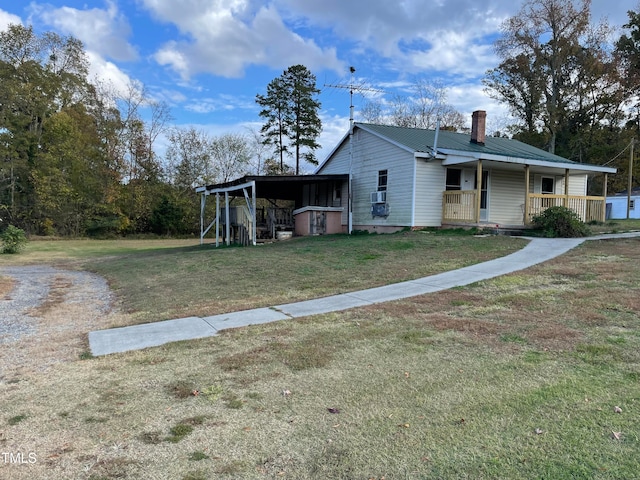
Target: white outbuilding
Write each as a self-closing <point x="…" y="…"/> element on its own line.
<point x="617" y="205"/>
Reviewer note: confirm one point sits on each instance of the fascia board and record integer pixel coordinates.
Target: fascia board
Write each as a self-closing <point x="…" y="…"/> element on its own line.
<point x="455" y="157"/>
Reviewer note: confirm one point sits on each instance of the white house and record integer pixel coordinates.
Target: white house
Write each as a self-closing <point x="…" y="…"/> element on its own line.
<point x="383" y="178"/>
<point x="408" y="177"/>
<point x="617" y="204"/>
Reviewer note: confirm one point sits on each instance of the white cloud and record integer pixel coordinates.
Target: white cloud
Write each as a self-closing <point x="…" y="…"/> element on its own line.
<point x="7" y="18"/>
<point x="468" y="97"/>
<point x="108" y="72"/>
<point x="383" y="26"/>
<point x="222" y="102"/>
<point x="225" y="38"/>
<point x="454" y="53"/>
<point x="102" y="31"/>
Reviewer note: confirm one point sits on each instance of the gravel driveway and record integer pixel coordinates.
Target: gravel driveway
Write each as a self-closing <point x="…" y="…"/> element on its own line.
<point x="34" y="284"/>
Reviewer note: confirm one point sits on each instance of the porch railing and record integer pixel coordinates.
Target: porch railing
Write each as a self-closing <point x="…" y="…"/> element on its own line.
<point x="459" y="206"/>
<point x="587" y="208"/>
<point x="245" y="225"/>
<point x="279" y="218"/>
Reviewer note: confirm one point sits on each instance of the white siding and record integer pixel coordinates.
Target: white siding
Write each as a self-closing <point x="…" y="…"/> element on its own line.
<point x="430" y="180"/>
<point x="619" y="207"/>
<point x="506" y="197"/>
<point x="370" y="155"/>
<point x="339" y="162"/>
<point x="577" y="184"/>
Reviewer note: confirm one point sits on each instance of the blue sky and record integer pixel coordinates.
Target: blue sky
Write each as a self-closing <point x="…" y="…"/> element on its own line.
<point x="207" y="59"/>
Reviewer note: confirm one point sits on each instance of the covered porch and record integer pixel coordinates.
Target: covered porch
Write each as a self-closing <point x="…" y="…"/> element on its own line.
<point x="512" y="193"/>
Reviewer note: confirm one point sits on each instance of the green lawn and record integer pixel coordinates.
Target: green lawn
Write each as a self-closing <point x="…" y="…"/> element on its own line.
<point x="202" y="280"/>
<point x="535" y="374"/>
<point x="616" y="226"/>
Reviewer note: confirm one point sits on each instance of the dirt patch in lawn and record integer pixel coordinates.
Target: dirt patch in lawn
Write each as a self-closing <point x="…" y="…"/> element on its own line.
<point x="6" y="286"/>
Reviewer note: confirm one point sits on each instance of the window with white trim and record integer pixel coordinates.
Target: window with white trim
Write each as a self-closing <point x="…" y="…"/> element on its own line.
<point x="547" y="185"/>
<point x="453" y="179"/>
<point x="382" y="180"/>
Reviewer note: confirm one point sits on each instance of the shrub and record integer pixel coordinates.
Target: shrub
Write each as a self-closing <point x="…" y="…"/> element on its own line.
<point x="13" y="239"/>
<point x="560" y="222"/>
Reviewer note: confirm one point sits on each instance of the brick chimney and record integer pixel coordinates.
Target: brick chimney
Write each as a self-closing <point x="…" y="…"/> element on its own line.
<point x="478" y="124"/>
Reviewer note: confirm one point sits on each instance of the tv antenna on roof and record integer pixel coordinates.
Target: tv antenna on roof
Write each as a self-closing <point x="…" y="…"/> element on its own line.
<point x="353" y="88"/>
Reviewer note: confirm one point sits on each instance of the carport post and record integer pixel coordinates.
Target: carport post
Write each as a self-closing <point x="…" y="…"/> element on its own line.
<point x="227" y="221"/>
<point x="217" y="218"/>
<point x="202" y="203"/>
<point x="255" y="214"/>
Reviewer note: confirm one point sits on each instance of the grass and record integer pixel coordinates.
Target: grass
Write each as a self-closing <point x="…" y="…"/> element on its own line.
<point x="203" y="281"/>
<point x="517" y="377"/>
<point x="71" y="251"/>
<point x="615" y="226"/>
<point x="16" y="419"/>
<point x="155" y="280"/>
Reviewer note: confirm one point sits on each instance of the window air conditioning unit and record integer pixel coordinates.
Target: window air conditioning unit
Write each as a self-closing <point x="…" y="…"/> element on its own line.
<point x="378" y="197"/>
<point x="380" y="209"/>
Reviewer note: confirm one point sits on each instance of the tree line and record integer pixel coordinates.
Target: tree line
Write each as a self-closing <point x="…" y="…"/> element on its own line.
<point x="572" y="90"/>
<point x="77" y="158"/>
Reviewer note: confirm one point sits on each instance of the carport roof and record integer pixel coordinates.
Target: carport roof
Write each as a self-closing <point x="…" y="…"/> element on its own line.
<point x="280" y="187"/>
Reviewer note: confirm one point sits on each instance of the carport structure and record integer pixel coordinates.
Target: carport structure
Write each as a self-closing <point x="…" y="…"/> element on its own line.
<point x="314" y="191"/>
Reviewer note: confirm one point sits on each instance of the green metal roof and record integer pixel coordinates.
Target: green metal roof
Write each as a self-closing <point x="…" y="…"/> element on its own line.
<point x="420" y="140"/>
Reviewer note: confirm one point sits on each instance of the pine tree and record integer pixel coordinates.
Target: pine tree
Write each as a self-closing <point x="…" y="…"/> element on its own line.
<point x="291" y="109"/>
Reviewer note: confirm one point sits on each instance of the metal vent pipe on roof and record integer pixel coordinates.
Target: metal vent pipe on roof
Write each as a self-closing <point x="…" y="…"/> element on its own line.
<point x="435" y="139"/>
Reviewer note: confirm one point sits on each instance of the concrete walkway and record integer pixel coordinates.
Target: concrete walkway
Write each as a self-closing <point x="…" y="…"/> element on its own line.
<point x="136" y="337"/>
